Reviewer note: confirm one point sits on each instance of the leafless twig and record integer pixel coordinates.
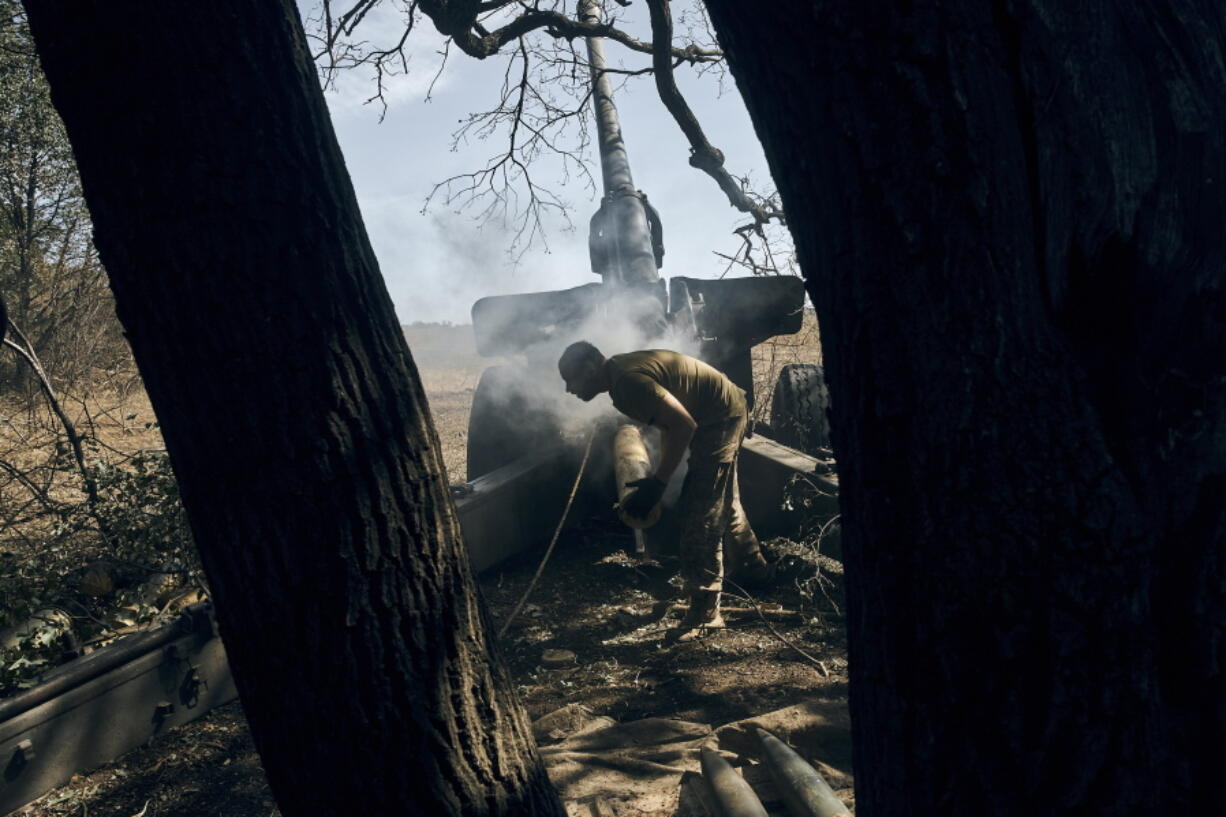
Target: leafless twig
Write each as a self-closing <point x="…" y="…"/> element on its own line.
<point x="816" y="545"/>
<point x="775" y="632"/>
<point x="703" y="155"/>
<point x="26" y="352"/>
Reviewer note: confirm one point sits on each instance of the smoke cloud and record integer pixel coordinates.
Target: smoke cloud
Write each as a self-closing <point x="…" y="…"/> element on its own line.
<point x="627" y="322"/>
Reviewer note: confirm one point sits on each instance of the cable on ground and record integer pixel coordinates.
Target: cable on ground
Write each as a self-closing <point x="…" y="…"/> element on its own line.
<point x="570" y="500"/>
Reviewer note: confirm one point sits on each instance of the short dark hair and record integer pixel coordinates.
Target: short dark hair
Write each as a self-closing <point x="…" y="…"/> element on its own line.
<point x="578" y="353"/>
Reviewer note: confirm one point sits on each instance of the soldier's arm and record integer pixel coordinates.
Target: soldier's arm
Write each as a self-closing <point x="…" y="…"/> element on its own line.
<point x="676" y="430"/>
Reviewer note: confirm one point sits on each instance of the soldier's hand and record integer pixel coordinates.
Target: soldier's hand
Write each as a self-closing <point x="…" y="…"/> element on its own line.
<point x="645" y="496"/>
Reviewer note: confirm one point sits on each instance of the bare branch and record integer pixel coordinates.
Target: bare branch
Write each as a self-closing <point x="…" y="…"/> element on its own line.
<point x="703" y="155"/>
<point x="26" y="352"/>
<point x="460" y="22"/>
<point x="336" y="54"/>
<point x="534" y="123"/>
<point x="446" y="52"/>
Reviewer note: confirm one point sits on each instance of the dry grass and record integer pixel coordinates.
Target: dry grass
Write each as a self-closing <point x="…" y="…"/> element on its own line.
<point x="768" y="358"/>
<point x="447" y="360"/>
<point x="119" y="419"/>
<point x="40" y="480"/>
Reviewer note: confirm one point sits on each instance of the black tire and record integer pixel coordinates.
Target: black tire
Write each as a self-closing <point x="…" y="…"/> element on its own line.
<point x="507" y="421"/>
<point x="799" y="409"/>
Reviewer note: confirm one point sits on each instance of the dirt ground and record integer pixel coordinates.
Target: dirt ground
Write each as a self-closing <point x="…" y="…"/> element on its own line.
<point x="782" y="648"/>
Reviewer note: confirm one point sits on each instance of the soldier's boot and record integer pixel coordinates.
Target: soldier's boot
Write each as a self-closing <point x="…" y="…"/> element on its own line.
<point x="703" y="615"/>
<point x="745" y="560"/>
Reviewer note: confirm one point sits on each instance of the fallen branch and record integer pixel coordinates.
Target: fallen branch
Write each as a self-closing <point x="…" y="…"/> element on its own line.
<point x="774" y="612"/>
<point x="780" y="636"/>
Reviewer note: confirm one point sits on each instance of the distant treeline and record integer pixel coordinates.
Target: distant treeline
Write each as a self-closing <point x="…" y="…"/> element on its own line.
<point x="441" y="340"/>
<point x="426" y="325"/>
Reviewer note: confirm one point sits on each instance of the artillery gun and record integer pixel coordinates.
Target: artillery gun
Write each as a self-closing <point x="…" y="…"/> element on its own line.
<point x="517" y="446"/>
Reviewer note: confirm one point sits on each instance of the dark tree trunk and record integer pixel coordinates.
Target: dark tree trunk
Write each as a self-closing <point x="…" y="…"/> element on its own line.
<point x="1009" y="218"/>
<point x="291" y="407"/>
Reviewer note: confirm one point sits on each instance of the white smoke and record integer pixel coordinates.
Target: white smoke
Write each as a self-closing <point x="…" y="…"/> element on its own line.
<point x="625" y="323"/>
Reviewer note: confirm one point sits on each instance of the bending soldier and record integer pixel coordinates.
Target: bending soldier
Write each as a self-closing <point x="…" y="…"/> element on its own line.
<point x="695" y="406"/>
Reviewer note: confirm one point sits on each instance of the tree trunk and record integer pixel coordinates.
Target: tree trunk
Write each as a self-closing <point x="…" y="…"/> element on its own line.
<point x="1009" y="219"/>
<point x="292" y="410"/>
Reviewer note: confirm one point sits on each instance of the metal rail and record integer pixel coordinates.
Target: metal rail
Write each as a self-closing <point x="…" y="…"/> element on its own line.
<point x="94" y="709"/>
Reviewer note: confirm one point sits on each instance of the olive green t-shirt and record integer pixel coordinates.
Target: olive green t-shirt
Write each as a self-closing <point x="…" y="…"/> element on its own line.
<point x="638" y="381"/>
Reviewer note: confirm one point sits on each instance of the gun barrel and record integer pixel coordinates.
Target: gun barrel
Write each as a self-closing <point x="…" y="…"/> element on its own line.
<point x="614" y="163"/>
<point x="621" y="228"/>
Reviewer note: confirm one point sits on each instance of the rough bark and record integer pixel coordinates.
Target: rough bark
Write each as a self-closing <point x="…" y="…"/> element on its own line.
<point x="291" y="408"/>
<point x="1008" y="215"/>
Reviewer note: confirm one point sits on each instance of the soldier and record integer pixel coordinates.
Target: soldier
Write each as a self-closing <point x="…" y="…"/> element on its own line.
<point x="695" y="406"/>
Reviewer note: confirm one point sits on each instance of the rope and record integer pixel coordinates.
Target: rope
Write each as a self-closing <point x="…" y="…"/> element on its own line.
<point x="570" y="500"/>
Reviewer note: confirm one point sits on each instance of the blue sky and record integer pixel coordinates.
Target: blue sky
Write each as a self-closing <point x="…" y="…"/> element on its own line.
<point x="438" y="262"/>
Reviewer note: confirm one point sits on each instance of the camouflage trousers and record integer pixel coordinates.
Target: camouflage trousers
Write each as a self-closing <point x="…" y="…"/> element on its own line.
<point x="715" y="533"/>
